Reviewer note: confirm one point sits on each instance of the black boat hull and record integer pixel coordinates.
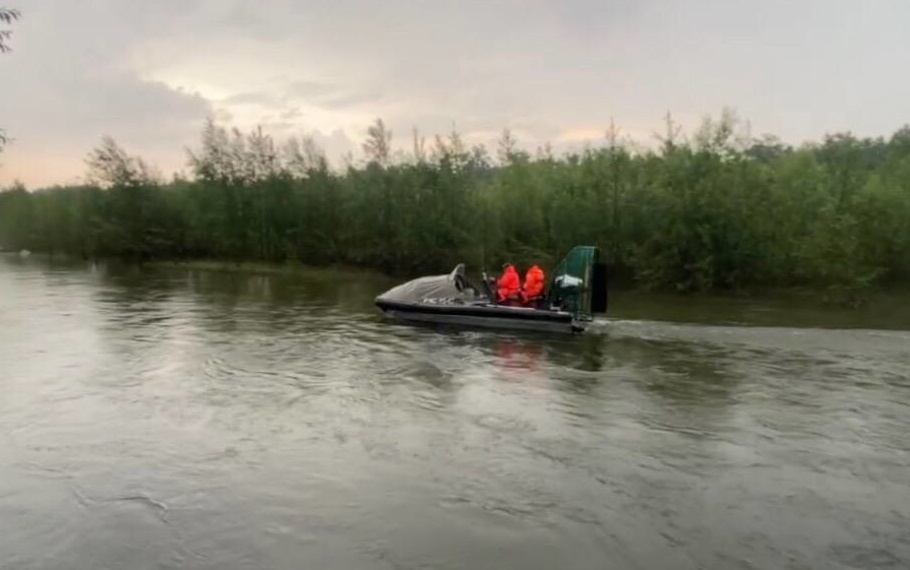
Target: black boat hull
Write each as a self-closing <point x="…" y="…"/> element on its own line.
<point x="483" y="315"/>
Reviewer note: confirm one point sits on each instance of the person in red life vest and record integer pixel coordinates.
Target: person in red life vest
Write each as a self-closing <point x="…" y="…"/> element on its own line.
<point x="508" y="286"/>
<point x="533" y="286"/>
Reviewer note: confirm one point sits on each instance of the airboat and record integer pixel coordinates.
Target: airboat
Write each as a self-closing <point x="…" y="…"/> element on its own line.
<point x="576" y="292"/>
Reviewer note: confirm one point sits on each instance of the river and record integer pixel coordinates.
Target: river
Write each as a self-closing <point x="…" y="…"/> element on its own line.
<point x="175" y="418"/>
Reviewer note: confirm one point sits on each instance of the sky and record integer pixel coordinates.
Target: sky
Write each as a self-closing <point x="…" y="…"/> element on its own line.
<point x="150" y="73"/>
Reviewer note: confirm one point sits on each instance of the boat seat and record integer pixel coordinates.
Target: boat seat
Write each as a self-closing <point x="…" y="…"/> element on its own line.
<point x="536" y="302"/>
<point x="512" y="300"/>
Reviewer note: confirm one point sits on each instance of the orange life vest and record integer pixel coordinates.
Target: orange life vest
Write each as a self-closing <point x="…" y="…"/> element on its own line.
<point x="508" y="284"/>
<point x="534" y="284"/>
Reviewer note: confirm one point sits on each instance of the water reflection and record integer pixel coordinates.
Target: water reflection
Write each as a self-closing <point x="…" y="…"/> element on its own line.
<point x="516" y="355"/>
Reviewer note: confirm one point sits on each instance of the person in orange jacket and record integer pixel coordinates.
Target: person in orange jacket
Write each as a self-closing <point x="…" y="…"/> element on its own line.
<point x="508" y="286"/>
<point x="533" y="285"/>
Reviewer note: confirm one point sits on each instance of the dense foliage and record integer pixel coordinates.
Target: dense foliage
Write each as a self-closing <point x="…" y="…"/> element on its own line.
<point x="718" y="211"/>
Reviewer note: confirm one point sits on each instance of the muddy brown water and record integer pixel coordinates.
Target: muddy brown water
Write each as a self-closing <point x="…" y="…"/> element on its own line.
<point x="176" y="418"/>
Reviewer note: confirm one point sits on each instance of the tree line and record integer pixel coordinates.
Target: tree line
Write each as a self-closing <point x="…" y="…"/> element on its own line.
<point x="715" y="210"/>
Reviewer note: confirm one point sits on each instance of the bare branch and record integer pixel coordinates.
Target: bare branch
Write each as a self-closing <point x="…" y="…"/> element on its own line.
<point x="7" y="16"/>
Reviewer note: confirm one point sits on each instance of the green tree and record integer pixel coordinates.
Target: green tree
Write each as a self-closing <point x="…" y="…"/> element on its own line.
<point x="377" y="146"/>
<point x="714" y="211"/>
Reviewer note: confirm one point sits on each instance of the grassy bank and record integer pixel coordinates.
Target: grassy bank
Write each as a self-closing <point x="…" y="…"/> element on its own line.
<point x="714" y="212"/>
<point x="289" y="267"/>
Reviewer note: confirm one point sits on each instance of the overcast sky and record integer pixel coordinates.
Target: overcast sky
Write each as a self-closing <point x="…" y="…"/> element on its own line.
<point x="149" y="73"/>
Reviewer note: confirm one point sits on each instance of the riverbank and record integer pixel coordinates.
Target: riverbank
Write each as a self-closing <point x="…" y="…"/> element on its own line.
<point x="834" y="296"/>
<point x="265" y="268"/>
<point x="885" y="308"/>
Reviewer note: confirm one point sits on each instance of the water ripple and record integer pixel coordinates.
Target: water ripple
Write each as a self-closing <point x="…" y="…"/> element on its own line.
<point x="175" y="419"/>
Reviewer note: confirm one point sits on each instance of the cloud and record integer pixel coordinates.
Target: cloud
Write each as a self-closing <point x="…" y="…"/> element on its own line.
<point x="67" y="116"/>
<point x="308" y="92"/>
<point x="290" y="114"/>
<point x="353" y="98"/>
<point x="65" y="89"/>
<point x="262" y="98"/>
<point x="306" y="89"/>
<point x="149" y="73"/>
